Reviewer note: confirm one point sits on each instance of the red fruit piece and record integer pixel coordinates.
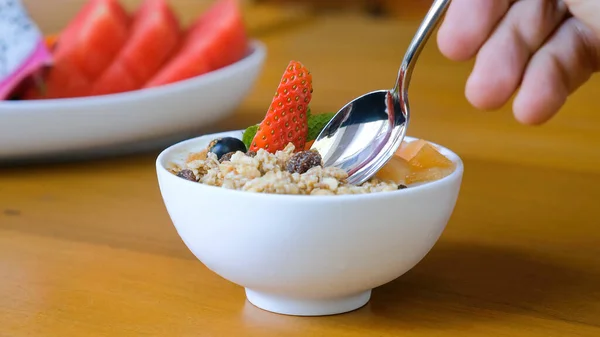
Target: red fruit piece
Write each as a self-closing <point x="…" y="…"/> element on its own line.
<point x="155" y="35"/>
<point x="94" y="37"/>
<point x="218" y="38"/>
<point x="63" y="80"/>
<point x="85" y="49"/>
<point x="286" y="119"/>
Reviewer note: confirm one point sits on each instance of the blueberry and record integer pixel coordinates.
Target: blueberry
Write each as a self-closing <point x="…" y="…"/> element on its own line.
<point x="222" y="146"/>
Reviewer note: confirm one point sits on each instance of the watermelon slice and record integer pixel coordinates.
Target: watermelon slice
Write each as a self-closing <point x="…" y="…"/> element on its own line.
<point x="85" y="49"/>
<point x="218" y="38"/>
<point x="154" y="37"/>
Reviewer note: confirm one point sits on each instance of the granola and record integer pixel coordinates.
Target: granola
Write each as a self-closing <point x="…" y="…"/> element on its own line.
<point x="268" y="173"/>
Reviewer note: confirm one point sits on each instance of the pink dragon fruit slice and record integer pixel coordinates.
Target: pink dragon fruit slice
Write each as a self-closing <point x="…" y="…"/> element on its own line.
<point x="22" y="48"/>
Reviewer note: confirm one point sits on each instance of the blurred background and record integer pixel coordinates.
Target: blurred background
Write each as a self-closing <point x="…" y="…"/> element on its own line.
<point x="355" y="46"/>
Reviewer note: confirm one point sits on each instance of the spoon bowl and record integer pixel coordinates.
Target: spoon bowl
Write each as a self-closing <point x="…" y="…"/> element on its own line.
<point x="364" y="135"/>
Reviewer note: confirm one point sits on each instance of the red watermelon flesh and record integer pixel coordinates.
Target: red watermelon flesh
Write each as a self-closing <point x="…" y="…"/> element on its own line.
<point x="154" y="37"/>
<point x="218" y="38"/>
<point x="85" y="49"/>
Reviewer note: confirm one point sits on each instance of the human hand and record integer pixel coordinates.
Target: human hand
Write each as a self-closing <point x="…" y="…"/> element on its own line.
<point x="542" y="50"/>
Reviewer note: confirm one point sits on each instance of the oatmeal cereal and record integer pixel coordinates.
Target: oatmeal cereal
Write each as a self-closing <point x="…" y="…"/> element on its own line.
<point x="268" y="173"/>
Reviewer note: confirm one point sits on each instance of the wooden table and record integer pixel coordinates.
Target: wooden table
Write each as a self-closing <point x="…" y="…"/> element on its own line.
<point x="87" y="249"/>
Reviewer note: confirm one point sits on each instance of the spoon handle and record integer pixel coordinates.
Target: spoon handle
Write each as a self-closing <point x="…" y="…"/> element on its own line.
<point x="430" y="22"/>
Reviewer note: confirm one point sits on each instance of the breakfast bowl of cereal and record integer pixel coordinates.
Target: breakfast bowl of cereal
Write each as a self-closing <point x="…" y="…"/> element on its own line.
<point x="265" y="214"/>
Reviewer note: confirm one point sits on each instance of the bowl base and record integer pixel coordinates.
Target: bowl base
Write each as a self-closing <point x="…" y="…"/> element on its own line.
<point x="307" y="307"/>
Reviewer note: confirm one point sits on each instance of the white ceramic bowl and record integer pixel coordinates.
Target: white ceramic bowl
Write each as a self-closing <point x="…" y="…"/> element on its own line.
<point x="306" y="255"/>
<point x="63" y="126"/>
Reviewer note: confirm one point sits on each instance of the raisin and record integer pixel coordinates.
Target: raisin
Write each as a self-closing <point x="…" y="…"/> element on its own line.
<point x="401" y="187"/>
<point x="226" y="157"/>
<point x="251" y="154"/>
<point x="187" y="175"/>
<point x="303" y="161"/>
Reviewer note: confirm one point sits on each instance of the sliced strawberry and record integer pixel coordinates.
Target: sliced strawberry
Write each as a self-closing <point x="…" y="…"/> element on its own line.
<point x="286" y="120"/>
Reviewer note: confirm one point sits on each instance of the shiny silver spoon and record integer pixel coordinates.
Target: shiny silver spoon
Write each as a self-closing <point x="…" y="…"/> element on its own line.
<point x="364" y="135"/>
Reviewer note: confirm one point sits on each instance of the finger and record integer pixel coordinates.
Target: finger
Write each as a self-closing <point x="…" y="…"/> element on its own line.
<point x="560" y="67"/>
<point x="468" y="23"/>
<point x="501" y="61"/>
<point x="587" y="12"/>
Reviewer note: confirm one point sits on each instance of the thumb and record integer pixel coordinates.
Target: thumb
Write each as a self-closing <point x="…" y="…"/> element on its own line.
<point x="587" y="12"/>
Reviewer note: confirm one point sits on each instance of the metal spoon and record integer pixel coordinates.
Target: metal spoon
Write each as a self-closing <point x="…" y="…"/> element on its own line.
<point x="364" y="135"/>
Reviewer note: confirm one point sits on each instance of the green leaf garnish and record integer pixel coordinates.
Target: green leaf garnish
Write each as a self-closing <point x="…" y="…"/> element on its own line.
<point x="316" y="123"/>
<point x="249" y="134"/>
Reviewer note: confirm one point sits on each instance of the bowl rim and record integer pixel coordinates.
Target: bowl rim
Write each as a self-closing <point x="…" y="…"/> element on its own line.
<point x="256" y="53"/>
<point x="266" y="197"/>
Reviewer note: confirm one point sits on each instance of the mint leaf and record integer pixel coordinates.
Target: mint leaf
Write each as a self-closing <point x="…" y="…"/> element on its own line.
<point x="316" y="123"/>
<point x="248" y="135"/>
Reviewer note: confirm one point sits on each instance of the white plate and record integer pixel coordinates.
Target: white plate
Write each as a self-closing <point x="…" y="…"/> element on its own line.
<point x="127" y="122"/>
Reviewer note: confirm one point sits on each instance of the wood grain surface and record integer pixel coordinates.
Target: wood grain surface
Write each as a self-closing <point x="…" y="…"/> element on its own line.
<point x="87" y="248"/>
